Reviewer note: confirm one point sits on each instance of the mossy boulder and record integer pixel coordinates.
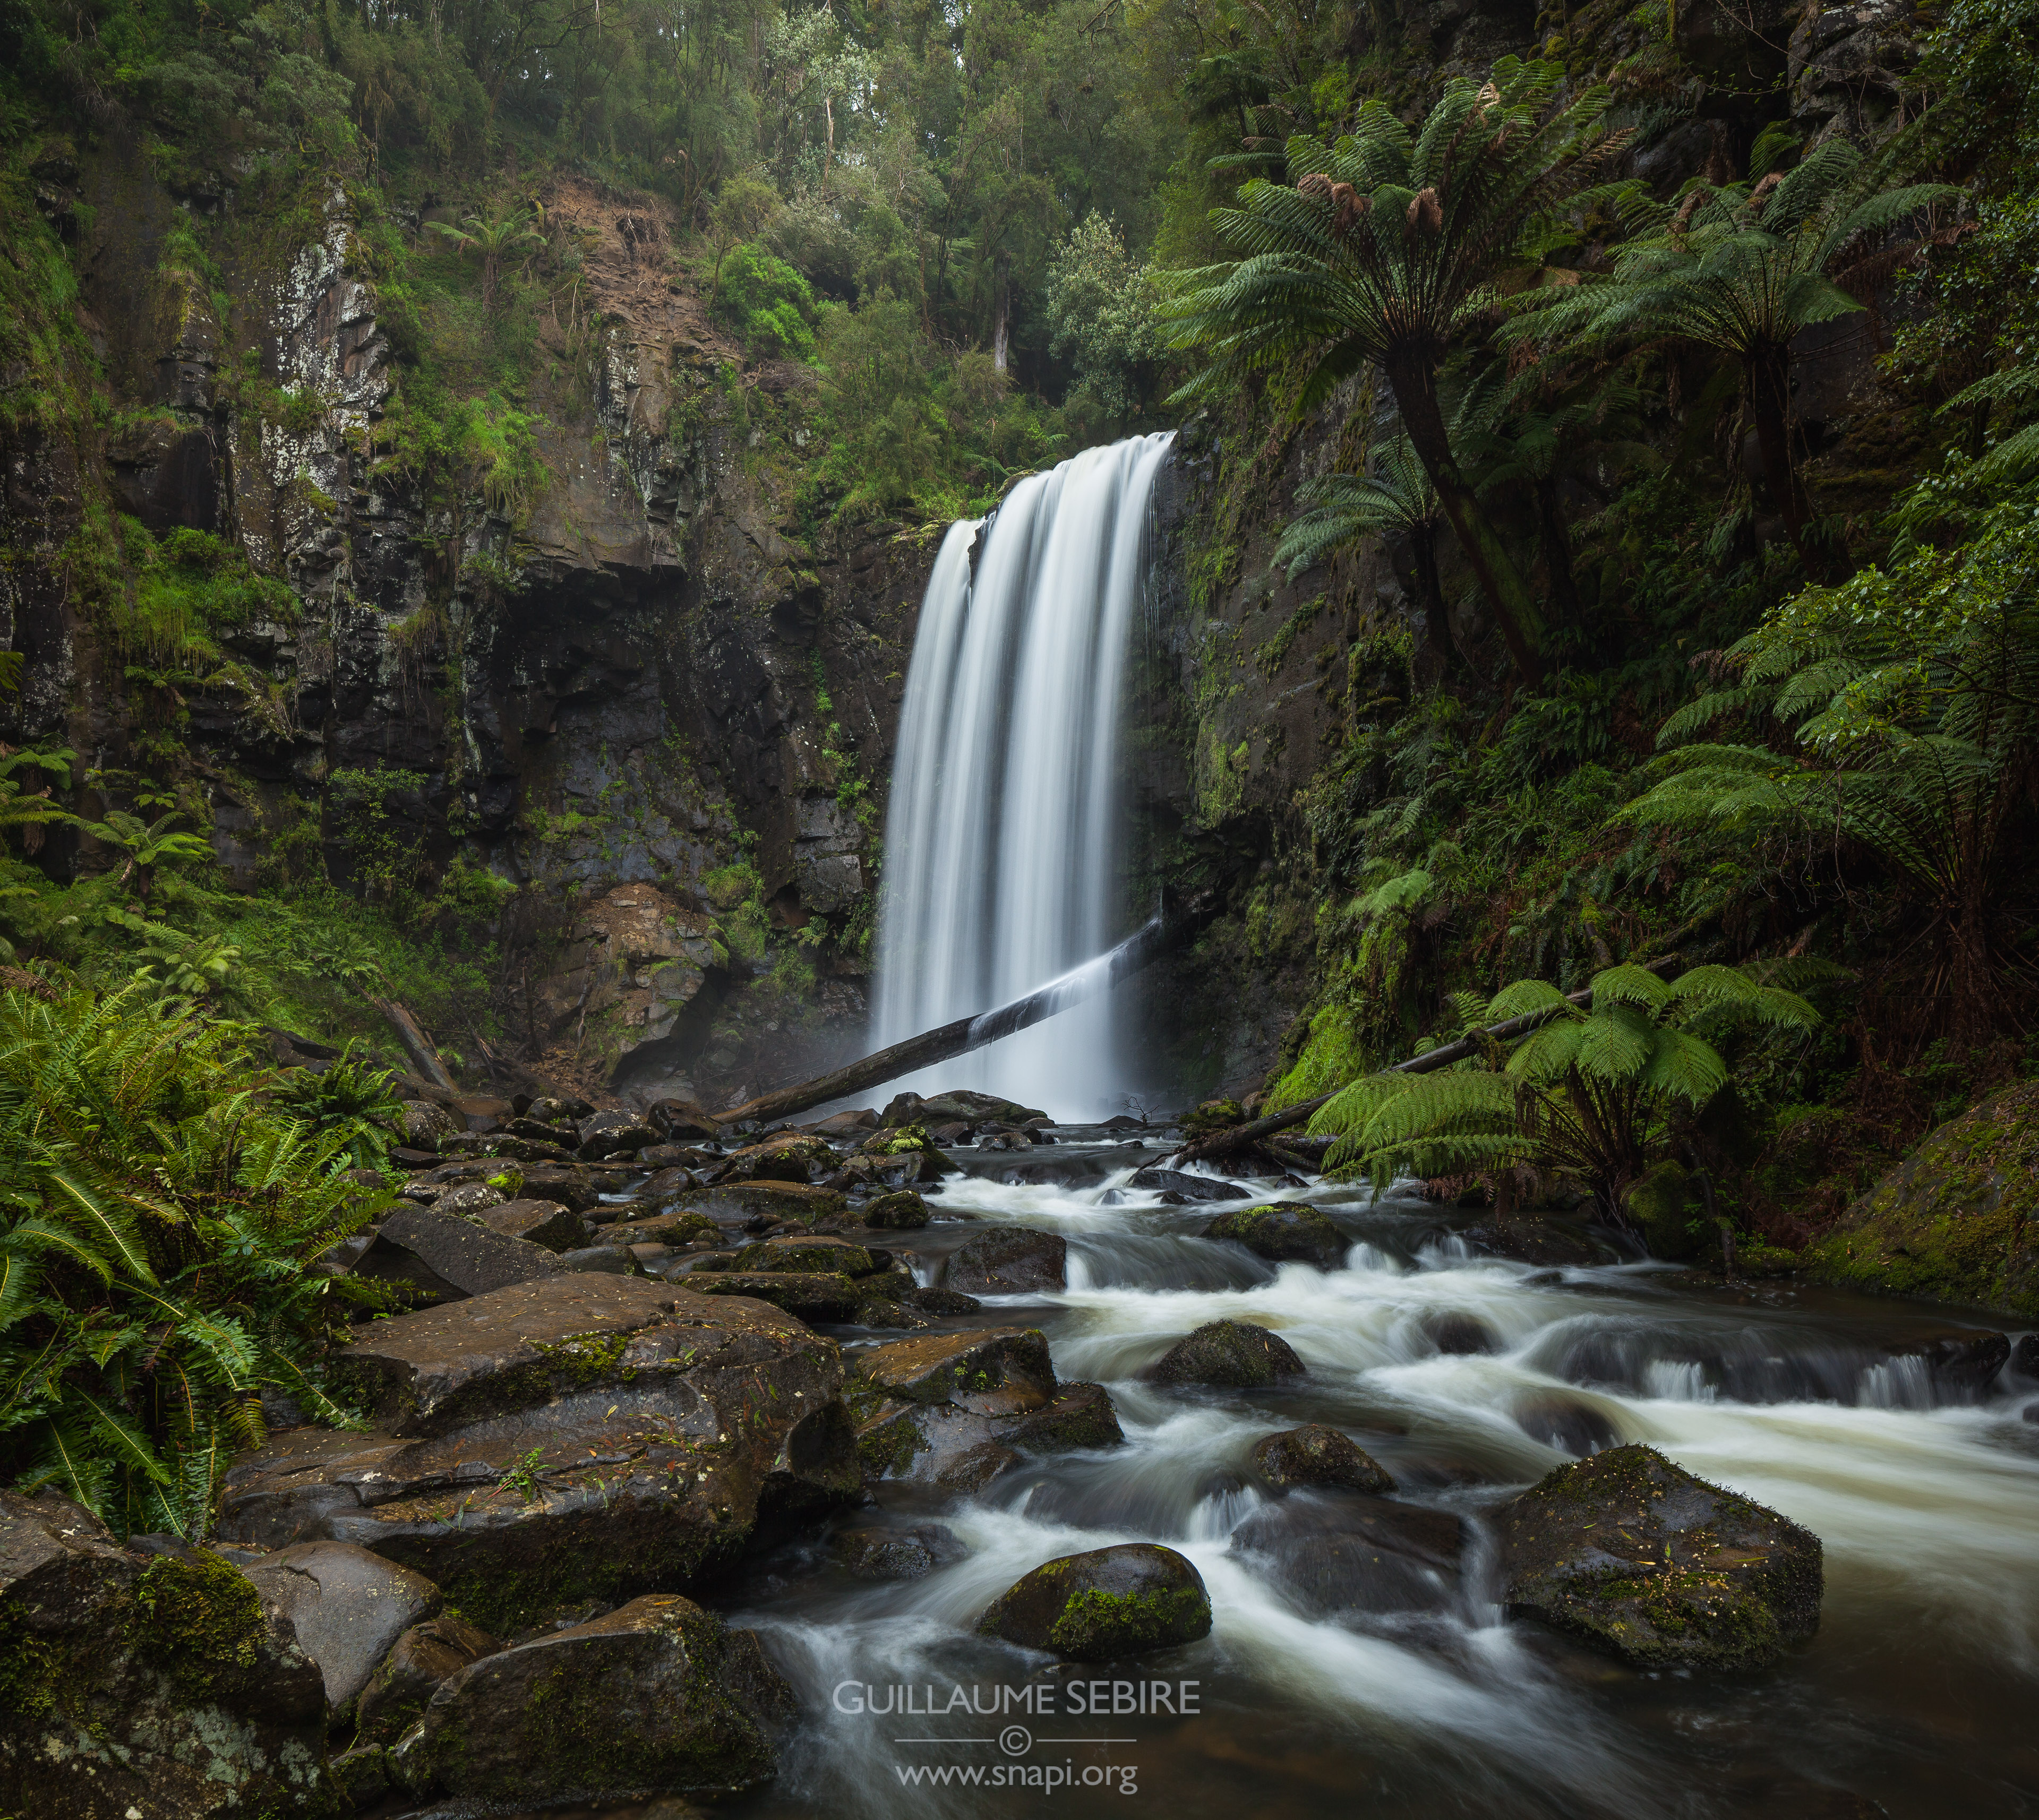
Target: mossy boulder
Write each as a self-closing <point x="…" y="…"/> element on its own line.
<point x="810" y="1253"/>
<point x="1283" y="1232"/>
<point x="1008" y="1261"/>
<point x="826" y="1296"/>
<point x="659" y="1697"/>
<point x="133" y="1683"/>
<point x="1635" y="1556"/>
<point x="1104" y="1606"/>
<point x="900" y="1211"/>
<point x="1316" y="1455"/>
<point x="1233" y="1353"/>
<point x="1958" y="1220"/>
<point x="1664" y="1205"/>
<point x="1212" y="1116"/>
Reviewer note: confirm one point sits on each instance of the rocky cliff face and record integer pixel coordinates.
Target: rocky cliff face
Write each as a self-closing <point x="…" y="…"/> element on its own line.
<point x="604" y="669"/>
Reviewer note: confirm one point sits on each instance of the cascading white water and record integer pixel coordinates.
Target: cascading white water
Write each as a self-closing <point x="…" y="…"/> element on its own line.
<point x="1003" y="834"/>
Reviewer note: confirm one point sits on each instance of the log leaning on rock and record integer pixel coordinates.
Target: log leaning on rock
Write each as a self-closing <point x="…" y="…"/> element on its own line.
<point x="1241" y="1137"/>
<point x="1139" y="950"/>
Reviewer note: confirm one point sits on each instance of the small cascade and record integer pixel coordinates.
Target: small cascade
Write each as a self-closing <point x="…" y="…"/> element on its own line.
<point x="1003" y="836"/>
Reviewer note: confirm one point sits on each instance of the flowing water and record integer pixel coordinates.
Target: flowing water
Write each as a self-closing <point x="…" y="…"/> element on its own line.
<point x="1916" y="1697"/>
<point x="1004" y="826"/>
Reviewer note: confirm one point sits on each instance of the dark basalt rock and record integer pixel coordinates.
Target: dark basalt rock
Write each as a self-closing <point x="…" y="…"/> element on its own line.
<point x="1552" y="1244"/>
<point x="1008" y="1260"/>
<point x="444" y="1256"/>
<point x="659" y="1696"/>
<point x="734" y="1202"/>
<point x="1282" y="1232"/>
<point x="545" y="1223"/>
<point x="138" y="1683"/>
<point x="1570" y="1424"/>
<point x="1963" y="1360"/>
<point x="901" y="1212"/>
<point x="588" y="1437"/>
<point x="615" y="1134"/>
<point x="1190" y="1187"/>
<point x="1316" y="1455"/>
<point x="567" y="1183"/>
<point x="875" y="1554"/>
<point x="1459" y="1334"/>
<point x="1104" y="1606"/>
<point x="421" y="1658"/>
<point x="812" y="1252"/>
<point x="1635" y="1556"/>
<point x="1229" y="1352"/>
<point x="1355" y="1553"/>
<point x="810" y="1295"/>
<point x="345" y="1607"/>
<point x="951" y="1409"/>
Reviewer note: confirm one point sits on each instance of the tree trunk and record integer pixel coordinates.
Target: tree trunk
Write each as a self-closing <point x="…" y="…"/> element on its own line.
<point x="1001" y="304"/>
<point x="1557" y="543"/>
<point x="1769" y="399"/>
<point x="424" y="1056"/>
<point x="1415" y="385"/>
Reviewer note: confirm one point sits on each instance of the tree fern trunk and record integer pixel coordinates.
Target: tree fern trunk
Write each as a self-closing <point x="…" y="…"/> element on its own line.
<point x="1414" y="383"/>
<point x="1769" y="396"/>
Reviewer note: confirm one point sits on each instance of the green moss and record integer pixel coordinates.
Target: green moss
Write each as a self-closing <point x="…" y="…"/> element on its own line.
<point x="199" y="1618"/>
<point x="1096" y="1624"/>
<point x="27" y="1666"/>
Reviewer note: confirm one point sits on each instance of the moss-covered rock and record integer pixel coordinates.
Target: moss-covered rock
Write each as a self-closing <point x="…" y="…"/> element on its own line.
<point x="1234" y="1353"/>
<point x="1316" y="1455"/>
<point x="1009" y="1260"/>
<point x="424" y="1657"/>
<point x="818" y="1253"/>
<point x="1104" y="1606"/>
<point x="1956" y="1219"/>
<point x="1282" y="1232"/>
<point x="132" y="1683"/>
<point x="1635" y="1556"/>
<point x="1212" y="1116"/>
<point x="1664" y="1204"/>
<point x="657" y="1696"/>
<point x="903" y="1211"/>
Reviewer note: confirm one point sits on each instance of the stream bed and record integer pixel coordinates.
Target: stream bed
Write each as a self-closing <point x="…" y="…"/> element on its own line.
<point x="1915" y="1698"/>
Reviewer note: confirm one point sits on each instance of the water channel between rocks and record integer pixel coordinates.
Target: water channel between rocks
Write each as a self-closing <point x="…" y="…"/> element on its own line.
<point x="1914" y="1698"/>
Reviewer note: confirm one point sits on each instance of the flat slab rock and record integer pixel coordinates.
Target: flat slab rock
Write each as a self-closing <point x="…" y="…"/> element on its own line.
<point x="957" y="1409"/>
<point x="445" y="1255"/>
<point x="1634" y="1556"/>
<point x="346" y="1606"/>
<point x="1104" y="1606"/>
<point x="657" y="1697"/>
<point x="588" y="1438"/>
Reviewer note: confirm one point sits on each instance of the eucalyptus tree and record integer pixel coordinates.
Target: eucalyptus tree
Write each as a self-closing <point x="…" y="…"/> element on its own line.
<point x="1743" y="268"/>
<point x="1394" y="249"/>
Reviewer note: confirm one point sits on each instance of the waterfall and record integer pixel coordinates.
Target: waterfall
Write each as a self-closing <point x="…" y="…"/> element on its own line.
<point x="1003" y="834"/>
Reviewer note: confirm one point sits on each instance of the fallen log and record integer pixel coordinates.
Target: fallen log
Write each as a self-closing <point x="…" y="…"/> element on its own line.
<point x="424" y="1056"/>
<point x="1145" y="946"/>
<point x="1241" y="1137"/>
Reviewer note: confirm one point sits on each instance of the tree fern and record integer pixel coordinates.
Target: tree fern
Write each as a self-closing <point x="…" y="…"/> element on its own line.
<point x="1588" y="1096"/>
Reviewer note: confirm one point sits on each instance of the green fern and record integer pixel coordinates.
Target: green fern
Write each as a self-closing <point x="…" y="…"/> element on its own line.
<point x="1589" y="1097"/>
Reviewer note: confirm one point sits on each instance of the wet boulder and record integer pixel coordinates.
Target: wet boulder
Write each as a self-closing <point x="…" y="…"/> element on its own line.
<point x="1190" y="1187"/>
<point x="1104" y="1606"/>
<point x="907" y="1554"/>
<point x="1963" y="1361"/>
<point x="953" y="1409"/>
<point x="426" y="1126"/>
<point x="1316" y="1455"/>
<point x="419" y="1660"/>
<point x="444" y="1256"/>
<point x="1360" y="1553"/>
<point x="733" y="1203"/>
<point x="789" y="1157"/>
<point x="1635" y="1556"/>
<point x="615" y="1134"/>
<point x="1459" y="1335"/>
<point x="346" y="1607"/>
<point x="1008" y="1260"/>
<point x="1550" y="1244"/>
<point x="1571" y="1424"/>
<point x="138" y="1683"/>
<point x="1283" y="1232"/>
<point x="584" y="1437"/>
<point x="903" y="1211"/>
<point x="567" y="1183"/>
<point x="811" y="1295"/>
<point x="659" y="1696"/>
<point x="544" y="1223"/>
<point x="812" y="1252"/>
<point x="1233" y="1353"/>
